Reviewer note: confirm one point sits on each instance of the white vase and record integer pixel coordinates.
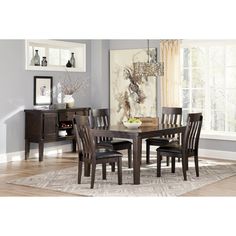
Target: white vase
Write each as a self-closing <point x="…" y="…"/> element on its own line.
<point x="69" y="100"/>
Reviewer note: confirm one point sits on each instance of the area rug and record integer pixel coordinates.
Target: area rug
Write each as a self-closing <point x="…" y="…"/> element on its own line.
<point x="169" y="184"/>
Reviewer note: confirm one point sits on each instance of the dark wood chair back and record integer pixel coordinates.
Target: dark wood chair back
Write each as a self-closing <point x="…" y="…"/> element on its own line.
<point x="171" y="115"/>
<point x="192" y="133"/>
<point x="84" y="138"/>
<point x="100" y="119"/>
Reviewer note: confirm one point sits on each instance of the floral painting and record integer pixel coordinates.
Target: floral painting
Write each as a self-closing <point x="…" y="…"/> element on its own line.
<point x="131" y="94"/>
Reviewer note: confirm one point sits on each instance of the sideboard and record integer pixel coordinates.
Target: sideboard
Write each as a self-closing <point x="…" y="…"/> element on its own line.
<point x="43" y="126"/>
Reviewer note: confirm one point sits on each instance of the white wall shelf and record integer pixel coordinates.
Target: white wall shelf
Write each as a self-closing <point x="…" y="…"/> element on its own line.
<point x="57" y="53"/>
<point x="53" y="68"/>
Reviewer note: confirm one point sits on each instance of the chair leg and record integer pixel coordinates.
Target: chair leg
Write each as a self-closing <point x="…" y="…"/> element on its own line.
<point x="129" y="158"/>
<point x="187" y="163"/>
<point x="80" y="165"/>
<point x="87" y="169"/>
<point x="184" y="168"/>
<point x="178" y="159"/>
<point x="93" y="174"/>
<point x="167" y="161"/>
<point x="119" y="167"/>
<point x="172" y="164"/>
<point x="113" y="166"/>
<point x="158" y="164"/>
<point x="147" y="153"/>
<point x="196" y="165"/>
<point x="104" y="171"/>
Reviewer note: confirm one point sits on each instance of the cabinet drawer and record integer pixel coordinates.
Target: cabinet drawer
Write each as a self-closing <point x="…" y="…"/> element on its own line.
<point x="64" y="116"/>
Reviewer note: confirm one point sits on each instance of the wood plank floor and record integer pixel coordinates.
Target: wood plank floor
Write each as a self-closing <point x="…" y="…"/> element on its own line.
<point x="14" y="170"/>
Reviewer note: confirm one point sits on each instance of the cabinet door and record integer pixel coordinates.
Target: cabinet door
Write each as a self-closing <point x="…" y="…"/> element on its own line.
<point x="50" y="126"/>
<point x="33" y="125"/>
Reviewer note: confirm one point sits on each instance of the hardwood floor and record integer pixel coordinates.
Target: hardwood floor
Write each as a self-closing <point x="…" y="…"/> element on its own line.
<point x="13" y="170"/>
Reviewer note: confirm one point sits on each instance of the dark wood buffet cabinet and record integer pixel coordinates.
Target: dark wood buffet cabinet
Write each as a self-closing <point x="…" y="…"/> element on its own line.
<point x="43" y="126"/>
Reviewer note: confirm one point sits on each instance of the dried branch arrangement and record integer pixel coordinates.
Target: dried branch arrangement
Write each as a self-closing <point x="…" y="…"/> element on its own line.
<point x="70" y="86"/>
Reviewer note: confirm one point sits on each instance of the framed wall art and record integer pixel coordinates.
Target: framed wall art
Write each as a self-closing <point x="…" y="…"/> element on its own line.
<point x="131" y="95"/>
<point x="43" y="90"/>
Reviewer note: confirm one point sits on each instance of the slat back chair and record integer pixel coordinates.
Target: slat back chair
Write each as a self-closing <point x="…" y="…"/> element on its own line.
<point x="192" y="134"/>
<point x="170" y="115"/>
<point x="100" y="118"/>
<point x="87" y="152"/>
<point x="188" y="149"/>
<point x="84" y="140"/>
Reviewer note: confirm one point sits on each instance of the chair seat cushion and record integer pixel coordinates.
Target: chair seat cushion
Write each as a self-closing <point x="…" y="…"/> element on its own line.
<point x="173" y="147"/>
<point x="158" y="141"/>
<point x="115" y="143"/>
<point x="103" y="153"/>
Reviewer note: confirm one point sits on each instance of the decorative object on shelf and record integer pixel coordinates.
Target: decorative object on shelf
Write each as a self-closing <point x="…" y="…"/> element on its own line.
<point x="57" y="58"/>
<point x="44" y="62"/>
<point x="72" y="60"/>
<point x="131" y="94"/>
<point x="36" y="58"/>
<point x="68" y="64"/>
<point x="62" y="133"/>
<point x="69" y="87"/>
<point x="151" y="67"/>
<point x="69" y="100"/>
<point x="42" y="90"/>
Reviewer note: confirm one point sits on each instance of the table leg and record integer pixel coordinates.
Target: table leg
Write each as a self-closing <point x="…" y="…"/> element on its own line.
<point x="41" y="147"/>
<point x="27" y="149"/>
<point x="137" y="150"/>
<point x="73" y="145"/>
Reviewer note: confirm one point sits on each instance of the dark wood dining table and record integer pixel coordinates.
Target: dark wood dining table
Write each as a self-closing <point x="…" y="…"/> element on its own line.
<point x="137" y="135"/>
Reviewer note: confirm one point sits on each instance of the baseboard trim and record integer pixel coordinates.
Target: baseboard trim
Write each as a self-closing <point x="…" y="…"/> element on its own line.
<point x="18" y="156"/>
<point x="217" y="154"/>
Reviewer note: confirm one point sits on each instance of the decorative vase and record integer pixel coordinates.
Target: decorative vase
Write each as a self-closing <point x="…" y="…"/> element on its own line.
<point x="68" y="64"/>
<point x="72" y="60"/>
<point x="44" y="62"/>
<point x="36" y="59"/>
<point x="69" y="100"/>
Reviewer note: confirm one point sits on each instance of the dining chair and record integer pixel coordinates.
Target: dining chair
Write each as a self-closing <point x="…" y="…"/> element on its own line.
<point x="100" y="118"/>
<point x="90" y="155"/>
<point x="188" y="148"/>
<point x="170" y="115"/>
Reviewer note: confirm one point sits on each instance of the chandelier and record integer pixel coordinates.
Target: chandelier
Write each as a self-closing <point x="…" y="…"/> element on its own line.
<point x="151" y="67"/>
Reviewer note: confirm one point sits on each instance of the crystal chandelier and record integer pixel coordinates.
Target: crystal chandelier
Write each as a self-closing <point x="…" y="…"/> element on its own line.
<point x="149" y="68"/>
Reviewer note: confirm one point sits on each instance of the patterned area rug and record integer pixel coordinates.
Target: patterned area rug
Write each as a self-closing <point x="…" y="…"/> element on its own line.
<point x="169" y="184"/>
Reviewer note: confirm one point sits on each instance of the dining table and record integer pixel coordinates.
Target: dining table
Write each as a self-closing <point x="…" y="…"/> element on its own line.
<point x="120" y="131"/>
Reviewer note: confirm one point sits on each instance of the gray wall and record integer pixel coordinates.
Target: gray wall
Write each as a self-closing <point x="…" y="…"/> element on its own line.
<point x="100" y="73"/>
<point x="17" y="91"/>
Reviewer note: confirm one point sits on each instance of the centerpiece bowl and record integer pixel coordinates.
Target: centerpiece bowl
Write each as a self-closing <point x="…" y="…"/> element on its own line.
<point x="132" y="123"/>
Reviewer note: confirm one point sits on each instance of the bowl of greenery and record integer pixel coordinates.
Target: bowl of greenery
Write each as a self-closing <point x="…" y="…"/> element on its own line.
<point x="132" y="123"/>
